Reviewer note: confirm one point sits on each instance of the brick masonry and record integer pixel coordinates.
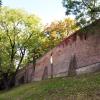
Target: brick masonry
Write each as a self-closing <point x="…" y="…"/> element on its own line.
<point x="77" y="54"/>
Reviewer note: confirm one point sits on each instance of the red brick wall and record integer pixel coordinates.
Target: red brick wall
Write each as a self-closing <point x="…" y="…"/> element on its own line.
<point x="85" y="48"/>
<point x="86" y="51"/>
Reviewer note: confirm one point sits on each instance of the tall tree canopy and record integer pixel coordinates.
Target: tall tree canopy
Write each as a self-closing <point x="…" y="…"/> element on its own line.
<point x="0" y="2"/>
<point x="58" y="30"/>
<point x="85" y="11"/>
<point x="16" y="30"/>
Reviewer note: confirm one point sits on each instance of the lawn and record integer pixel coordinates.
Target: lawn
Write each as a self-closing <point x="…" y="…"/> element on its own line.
<point x="83" y="87"/>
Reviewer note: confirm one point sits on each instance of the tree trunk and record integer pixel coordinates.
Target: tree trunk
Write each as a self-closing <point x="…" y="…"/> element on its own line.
<point x="6" y="81"/>
<point x="34" y="64"/>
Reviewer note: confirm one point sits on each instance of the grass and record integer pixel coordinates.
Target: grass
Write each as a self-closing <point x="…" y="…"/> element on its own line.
<point x="84" y="87"/>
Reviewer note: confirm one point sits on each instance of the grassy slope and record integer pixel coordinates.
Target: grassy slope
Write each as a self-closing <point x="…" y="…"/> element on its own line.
<point x="84" y="87"/>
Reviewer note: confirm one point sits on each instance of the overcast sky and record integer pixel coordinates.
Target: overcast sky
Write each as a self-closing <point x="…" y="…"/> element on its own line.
<point x="47" y="10"/>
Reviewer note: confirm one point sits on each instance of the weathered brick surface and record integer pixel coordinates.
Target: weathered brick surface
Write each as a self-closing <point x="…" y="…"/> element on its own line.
<point x="86" y="51"/>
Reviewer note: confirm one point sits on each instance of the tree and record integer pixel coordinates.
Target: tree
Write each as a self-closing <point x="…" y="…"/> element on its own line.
<point x="16" y="29"/>
<point x="0" y="2"/>
<point x="85" y="11"/>
<point x="56" y="32"/>
<point x="36" y="48"/>
<point x="59" y="30"/>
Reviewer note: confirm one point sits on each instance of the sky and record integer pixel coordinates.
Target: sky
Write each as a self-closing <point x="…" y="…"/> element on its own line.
<point x="47" y="10"/>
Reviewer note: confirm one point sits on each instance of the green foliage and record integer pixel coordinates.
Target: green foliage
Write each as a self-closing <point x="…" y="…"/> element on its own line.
<point x="17" y="27"/>
<point x="85" y="11"/>
<point x="0" y="2"/>
<point x="18" y="30"/>
<point x="59" y="30"/>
